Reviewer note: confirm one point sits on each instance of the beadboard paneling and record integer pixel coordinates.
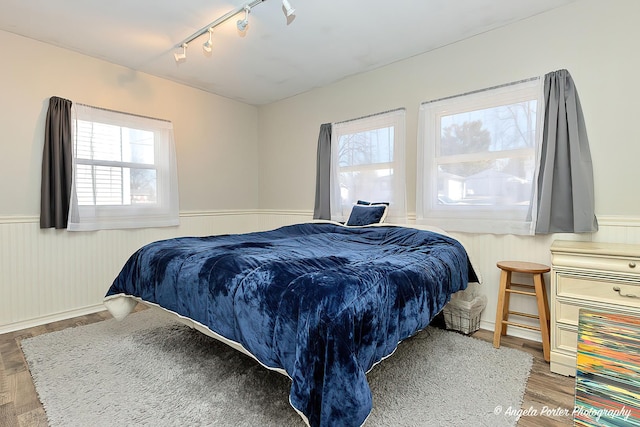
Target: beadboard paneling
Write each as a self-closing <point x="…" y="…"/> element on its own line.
<point x="48" y="275"/>
<point x="487" y="249"/>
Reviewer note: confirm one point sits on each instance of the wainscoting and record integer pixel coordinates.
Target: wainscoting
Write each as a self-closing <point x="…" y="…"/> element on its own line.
<point x="487" y="249"/>
<point x="49" y="275"/>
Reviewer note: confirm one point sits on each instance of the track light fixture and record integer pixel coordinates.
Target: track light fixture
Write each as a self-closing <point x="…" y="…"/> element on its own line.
<point x="287" y="8"/>
<point x="181" y="56"/>
<point x="208" y="45"/>
<point x="241" y="24"/>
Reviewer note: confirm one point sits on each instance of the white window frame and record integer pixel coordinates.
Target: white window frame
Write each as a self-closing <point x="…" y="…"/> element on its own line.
<point x="164" y="212"/>
<point x="495" y="219"/>
<point x="340" y="210"/>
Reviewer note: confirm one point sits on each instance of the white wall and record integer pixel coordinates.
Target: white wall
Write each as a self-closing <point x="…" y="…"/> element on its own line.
<point x="51" y="274"/>
<point x="216" y="138"/>
<point x="595" y="40"/>
<point x="234" y="158"/>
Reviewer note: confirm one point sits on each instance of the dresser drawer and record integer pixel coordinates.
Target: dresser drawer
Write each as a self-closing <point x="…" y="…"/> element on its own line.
<point x="584" y="275"/>
<point x="627" y="265"/>
<point x="566" y="339"/>
<point x="596" y="290"/>
<point x="567" y="313"/>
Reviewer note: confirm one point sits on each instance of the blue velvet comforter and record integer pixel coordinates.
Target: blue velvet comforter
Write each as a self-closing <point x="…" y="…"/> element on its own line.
<point x="321" y="301"/>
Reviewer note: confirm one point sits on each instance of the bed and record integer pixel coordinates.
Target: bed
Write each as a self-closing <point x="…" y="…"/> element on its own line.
<point x="319" y="302"/>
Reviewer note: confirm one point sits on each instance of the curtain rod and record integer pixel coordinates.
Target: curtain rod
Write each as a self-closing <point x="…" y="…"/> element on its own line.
<point x="530" y="79"/>
<point x="122" y="112"/>
<point x="370" y="115"/>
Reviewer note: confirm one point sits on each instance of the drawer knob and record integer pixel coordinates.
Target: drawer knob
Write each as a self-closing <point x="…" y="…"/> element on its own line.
<point x="632" y="264"/>
<point x="617" y="289"/>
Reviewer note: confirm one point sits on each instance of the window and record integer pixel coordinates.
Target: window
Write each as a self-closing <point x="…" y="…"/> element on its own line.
<point x="124" y="171"/>
<point x="479" y="159"/>
<point x="367" y="163"/>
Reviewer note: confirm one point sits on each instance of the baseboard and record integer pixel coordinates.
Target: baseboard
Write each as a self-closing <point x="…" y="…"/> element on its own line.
<point x="513" y="331"/>
<point x="38" y="321"/>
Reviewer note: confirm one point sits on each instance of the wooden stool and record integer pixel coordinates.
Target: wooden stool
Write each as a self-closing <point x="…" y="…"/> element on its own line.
<point x="537" y="290"/>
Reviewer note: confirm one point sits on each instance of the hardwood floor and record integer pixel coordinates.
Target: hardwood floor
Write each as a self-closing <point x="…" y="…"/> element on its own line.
<point x="19" y="403"/>
<point x="548" y="400"/>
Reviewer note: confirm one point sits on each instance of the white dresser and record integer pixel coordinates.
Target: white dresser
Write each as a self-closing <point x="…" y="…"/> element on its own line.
<point x="599" y="276"/>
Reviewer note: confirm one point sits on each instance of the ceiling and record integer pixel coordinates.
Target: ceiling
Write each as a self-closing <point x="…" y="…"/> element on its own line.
<point x="276" y="57"/>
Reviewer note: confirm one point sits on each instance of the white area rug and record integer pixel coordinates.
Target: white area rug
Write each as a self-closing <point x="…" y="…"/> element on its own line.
<point x="149" y="370"/>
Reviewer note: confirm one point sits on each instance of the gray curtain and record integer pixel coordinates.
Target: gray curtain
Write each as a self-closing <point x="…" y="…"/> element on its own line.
<point x="565" y="180"/>
<point x="55" y="190"/>
<point x="322" y="209"/>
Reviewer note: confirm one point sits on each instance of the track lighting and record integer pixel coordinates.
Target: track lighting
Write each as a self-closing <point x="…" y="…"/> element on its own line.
<point x="287" y="7"/>
<point x="182" y="55"/>
<point x="208" y="45"/>
<point x="242" y="23"/>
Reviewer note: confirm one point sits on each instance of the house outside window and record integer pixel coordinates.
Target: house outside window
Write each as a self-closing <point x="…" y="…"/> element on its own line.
<point x="478" y="156"/>
<point x="368" y="164"/>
